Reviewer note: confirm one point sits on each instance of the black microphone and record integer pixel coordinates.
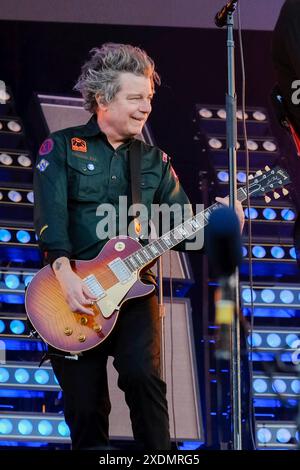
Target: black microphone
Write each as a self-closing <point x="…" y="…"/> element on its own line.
<point x="224" y="249"/>
<point x="223" y="241"/>
<point x="221" y="16"/>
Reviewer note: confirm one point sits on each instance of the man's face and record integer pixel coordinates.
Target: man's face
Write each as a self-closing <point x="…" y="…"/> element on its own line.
<point x="127" y="113"/>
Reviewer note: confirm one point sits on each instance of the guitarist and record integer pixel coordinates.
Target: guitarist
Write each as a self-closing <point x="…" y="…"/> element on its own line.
<point x="77" y="170"/>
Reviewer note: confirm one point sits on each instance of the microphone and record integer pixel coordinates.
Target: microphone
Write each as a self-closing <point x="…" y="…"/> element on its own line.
<point x="224" y="245"/>
<point x="221" y="16"/>
<point x="224" y="249"/>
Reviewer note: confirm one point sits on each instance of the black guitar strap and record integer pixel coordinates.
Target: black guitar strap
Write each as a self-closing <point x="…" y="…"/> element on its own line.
<point x="135" y="178"/>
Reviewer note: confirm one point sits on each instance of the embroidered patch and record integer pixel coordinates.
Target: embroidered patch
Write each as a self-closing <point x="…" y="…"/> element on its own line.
<point x="78" y="145"/>
<point x="46" y="147"/>
<point x="165" y="157"/>
<point x="42" y="165"/>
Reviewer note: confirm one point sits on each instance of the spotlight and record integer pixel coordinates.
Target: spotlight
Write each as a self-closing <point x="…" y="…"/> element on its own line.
<point x="17" y="327"/>
<point x="251" y="145"/>
<point x="24" y="161"/>
<point x="253" y="213"/>
<point x="288" y="214"/>
<point x="21" y="376"/>
<point x="14" y="196"/>
<point x="269" y="213"/>
<point x="286" y="296"/>
<point x="5" y="159"/>
<point x="25" y="427"/>
<point x="259" y="251"/>
<point x="23" y="236"/>
<point x="30" y="197"/>
<point x="267" y="296"/>
<point x="277" y="252"/>
<point x="239" y="115"/>
<point x="11" y="281"/>
<point x="273" y="340"/>
<point x="259" y="116"/>
<point x="214" y="143"/>
<point x="45" y="428"/>
<point x="269" y="146"/>
<point x="222" y="113"/>
<point x="205" y="113"/>
<point x="14" y="126"/>
<point x="5" y="235"/>
<point x="223" y="176"/>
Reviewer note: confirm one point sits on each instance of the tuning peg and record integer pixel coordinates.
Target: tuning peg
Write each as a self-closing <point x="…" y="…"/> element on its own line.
<point x="258" y="173"/>
<point x="250" y="177"/>
<point x="285" y="192"/>
<point x="267" y="199"/>
<point x="276" y="195"/>
<point x="267" y="168"/>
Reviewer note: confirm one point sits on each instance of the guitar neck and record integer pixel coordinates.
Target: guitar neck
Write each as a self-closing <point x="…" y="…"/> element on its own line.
<point x="169" y="240"/>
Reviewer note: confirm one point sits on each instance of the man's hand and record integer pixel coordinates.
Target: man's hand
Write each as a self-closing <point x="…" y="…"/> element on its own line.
<point x="238" y="209"/>
<point x="76" y="293"/>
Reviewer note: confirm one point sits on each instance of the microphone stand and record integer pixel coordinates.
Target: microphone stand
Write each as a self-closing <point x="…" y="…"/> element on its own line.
<point x="225" y="17"/>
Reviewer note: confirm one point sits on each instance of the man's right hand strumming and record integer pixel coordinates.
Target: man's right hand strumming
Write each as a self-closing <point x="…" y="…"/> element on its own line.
<point x="76" y="293"/>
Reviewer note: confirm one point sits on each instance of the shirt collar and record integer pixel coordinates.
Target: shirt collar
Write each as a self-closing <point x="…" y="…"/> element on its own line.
<point x="92" y="127"/>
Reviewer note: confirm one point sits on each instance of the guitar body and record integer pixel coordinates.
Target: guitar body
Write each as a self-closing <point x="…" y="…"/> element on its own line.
<point x="72" y="332"/>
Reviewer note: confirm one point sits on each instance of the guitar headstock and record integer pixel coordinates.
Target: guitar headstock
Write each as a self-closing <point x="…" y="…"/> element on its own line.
<point x="267" y="182"/>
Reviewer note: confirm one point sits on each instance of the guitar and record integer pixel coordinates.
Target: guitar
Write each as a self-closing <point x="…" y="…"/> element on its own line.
<point x="113" y="276"/>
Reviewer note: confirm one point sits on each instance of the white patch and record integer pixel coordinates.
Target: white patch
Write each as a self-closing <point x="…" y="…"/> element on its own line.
<point x="42" y="165"/>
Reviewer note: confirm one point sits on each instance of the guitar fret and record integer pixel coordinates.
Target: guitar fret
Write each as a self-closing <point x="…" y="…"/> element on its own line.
<point x="167" y="241"/>
<point x="146" y="255"/>
<point x="128" y="264"/>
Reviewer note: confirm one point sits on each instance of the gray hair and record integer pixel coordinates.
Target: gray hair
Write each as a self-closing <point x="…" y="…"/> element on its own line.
<point x="101" y="73"/>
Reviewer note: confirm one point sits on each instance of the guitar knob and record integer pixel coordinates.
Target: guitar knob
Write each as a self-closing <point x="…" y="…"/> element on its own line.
<point x="276" y="195"/>
<point x="258" y="173"/>
<point x="83" y="320"/>
<point x="250" y="177"/>
<point x="267" y="168"/>
<point x="68" y="331"/>
<point x="97" y="328"/>
<point x="267" y="199"/>
<point x="285" y="192"/>
<point x="81" y="338"/>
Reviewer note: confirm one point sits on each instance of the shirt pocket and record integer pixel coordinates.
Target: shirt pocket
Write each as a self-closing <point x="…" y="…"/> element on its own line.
<point x="86" y="181"/>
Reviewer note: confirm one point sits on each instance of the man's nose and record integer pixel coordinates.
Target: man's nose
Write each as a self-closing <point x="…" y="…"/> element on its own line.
<point x="145" y="107"/>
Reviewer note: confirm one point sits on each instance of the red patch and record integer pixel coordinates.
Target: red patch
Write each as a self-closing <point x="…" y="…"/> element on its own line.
<point x="78" y="145"/>
<point x="46" y="147"/>
<point x="165" y="157"/>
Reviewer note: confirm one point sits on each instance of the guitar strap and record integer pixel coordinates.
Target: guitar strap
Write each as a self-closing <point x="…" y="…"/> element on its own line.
<point x="135" y="178"/>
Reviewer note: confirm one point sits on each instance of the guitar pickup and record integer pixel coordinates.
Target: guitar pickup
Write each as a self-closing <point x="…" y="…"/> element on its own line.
<point x="94" y="286"/>
<point x="120" y="270"/>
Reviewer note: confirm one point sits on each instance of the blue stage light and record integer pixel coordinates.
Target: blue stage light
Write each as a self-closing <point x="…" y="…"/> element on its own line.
<point x="5" y="426"/>
<point x="63" y="429"/>
<point x="45" y="427"/>
<point x="28" y="279"/>
<point x="244" y="251"/>
<point x="292" y="340"/>
<point x="277" y="252"/>
<point x="295" y="386"/>
<point x="283" y="435"/>
<point x="223" y="176"/>
<point x="41" y="376"/>
<point x="286" y="296"/>
<point x="260" y="385"/>
<point x="11" y="281"/>
<point x="287" y="214"/>
<point x="21" y="376"/>
<point x="269" y="213"/>
<point x="246" y="294"/>
<point x="241" y="176"/>
<point x="273" y="340"/>
<point x="264" y="435"/>
<point x="4" y="375"/>
<point x="23" y="236"/>
<point x="267" y="296"/>
<point x="259" y="251"/>
<point x="2" y="326"/>
<point x="5" y="235"/>
<point x="25" y="427"/>
<point x="293" y="253"/>
<point x="17" y="327"/>
<point x="279" y="386"/>
<point x="255" y="339"/>
<point x="253" y="213"/>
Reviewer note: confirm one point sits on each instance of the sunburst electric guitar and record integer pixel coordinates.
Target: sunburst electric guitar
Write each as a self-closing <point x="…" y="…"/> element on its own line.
<point x="113" y="276"/>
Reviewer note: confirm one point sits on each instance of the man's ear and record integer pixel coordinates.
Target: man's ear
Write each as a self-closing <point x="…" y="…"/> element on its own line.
<point x="102" y="105"/>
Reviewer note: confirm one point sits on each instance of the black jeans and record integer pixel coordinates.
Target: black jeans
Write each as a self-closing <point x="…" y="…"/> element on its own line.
<point x="135" y="346"/>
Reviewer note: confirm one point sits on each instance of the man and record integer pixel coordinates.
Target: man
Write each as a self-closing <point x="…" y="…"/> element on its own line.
<point x="79" y="169"/>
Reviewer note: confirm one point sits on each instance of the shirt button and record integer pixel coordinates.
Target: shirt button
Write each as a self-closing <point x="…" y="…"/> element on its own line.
<point x="113" y="177"/>
<point x="91" y="166"/>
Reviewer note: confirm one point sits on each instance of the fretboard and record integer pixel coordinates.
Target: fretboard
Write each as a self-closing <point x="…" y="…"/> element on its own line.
<point x="149" y="253"/>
